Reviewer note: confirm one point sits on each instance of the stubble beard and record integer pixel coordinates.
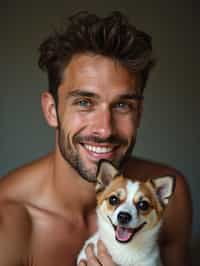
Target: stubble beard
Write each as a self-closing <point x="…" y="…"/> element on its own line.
<point x="74" y="159"/>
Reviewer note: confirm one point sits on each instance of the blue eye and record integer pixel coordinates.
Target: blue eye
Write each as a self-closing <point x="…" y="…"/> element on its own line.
<point x="126" y="106"/>
<point x="84" y="103"/>
<point x="122" y="105"/>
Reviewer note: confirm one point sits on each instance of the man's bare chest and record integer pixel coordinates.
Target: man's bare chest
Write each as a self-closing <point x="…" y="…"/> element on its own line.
<point x="57" y="240"/>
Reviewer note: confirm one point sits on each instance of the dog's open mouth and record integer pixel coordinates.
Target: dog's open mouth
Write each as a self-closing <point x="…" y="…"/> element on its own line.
<point x="125" y="234"/>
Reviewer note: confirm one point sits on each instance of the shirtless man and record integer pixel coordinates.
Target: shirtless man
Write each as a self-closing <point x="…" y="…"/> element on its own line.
<point x="97" y="70"/>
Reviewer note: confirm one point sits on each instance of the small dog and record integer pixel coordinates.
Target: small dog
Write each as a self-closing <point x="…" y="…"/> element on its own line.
<point x="129" y="216"/>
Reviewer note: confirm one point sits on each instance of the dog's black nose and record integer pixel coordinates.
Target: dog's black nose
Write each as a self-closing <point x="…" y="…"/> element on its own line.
<point x="124" y="218"/>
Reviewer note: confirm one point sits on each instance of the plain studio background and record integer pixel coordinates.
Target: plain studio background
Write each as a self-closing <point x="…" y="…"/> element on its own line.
<point x="170" y="129"/>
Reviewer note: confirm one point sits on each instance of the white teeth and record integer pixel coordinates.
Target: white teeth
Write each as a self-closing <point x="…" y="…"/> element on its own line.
<point x="98" y="149"/>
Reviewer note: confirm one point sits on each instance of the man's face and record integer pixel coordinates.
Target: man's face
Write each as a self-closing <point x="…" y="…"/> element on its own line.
<point x="97" y="112"/>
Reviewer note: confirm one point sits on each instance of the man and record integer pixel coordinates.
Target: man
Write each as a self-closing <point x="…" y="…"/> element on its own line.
<point x="97" y="70"/>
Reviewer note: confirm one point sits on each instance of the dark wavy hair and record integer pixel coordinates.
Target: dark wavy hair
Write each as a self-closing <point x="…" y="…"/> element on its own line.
<point x="113" y="36"/>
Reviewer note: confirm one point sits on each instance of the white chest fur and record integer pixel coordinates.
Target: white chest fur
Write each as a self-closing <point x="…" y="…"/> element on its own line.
<point x="142" y="252"/>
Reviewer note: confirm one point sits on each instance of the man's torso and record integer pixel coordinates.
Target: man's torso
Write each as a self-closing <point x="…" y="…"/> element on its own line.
<point x="57" y="234"/>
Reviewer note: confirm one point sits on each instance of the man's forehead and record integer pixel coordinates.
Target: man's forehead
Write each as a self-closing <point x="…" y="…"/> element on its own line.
<point x="87" y="71"/>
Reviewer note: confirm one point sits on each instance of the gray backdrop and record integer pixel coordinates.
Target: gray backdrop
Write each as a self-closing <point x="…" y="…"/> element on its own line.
<point x="170" y="129"/>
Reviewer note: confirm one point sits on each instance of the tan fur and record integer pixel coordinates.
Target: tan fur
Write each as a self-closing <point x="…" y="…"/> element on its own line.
<point x="147" y="190"/>
<point x="117" y="184"/>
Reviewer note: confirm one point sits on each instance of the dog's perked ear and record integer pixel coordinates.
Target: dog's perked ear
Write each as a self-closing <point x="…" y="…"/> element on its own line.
<point x="105" y="173"/>
<point x="164" y="188"/>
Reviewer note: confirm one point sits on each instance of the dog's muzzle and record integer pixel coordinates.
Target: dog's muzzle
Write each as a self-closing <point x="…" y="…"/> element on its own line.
<point x="124" y="233"/>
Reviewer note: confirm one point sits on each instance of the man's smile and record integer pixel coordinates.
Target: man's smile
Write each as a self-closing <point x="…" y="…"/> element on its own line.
<point x="100" y="151"/>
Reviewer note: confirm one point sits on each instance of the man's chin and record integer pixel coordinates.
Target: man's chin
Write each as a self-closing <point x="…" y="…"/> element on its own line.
<point x="87" y="170"/>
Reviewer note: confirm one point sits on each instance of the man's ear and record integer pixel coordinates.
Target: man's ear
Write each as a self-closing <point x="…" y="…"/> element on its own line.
<point x="49" y="109"/>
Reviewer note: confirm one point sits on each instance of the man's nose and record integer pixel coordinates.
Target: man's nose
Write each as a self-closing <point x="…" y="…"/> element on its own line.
<point x="103" y="125"/>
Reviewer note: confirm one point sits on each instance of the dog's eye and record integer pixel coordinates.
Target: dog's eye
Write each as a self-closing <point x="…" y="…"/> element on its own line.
<point x="143" y="205"/>
<point x="113" y="200"/>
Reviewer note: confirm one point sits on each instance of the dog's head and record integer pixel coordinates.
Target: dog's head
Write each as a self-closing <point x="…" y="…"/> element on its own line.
<point x="131" y="207"/>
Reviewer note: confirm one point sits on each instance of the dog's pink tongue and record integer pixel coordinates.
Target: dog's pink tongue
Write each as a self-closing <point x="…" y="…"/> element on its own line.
<point x="123" y="234"/>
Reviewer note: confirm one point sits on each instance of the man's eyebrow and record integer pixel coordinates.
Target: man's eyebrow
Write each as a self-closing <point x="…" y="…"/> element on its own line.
<point x="82" y="93"/>
<point x="85" y="93"/>
<point x="131" y="96"/>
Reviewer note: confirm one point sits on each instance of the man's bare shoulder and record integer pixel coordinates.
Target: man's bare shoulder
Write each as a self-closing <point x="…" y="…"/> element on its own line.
<point x="15" y="232"/>
<point x="144" y="169"/>
<point x="18" y="190"/>
<point x="13" y="214"/>
<point x="23" y="182"/>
